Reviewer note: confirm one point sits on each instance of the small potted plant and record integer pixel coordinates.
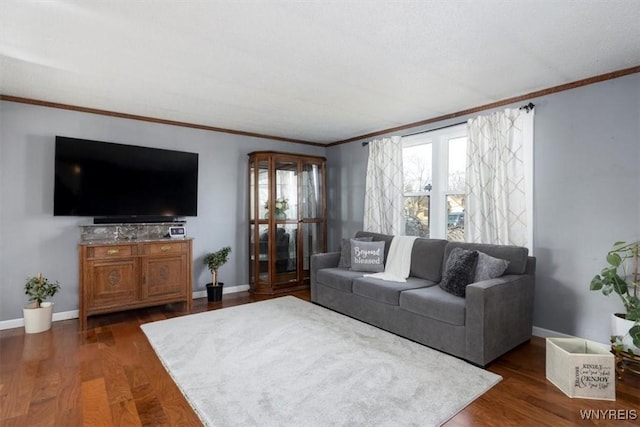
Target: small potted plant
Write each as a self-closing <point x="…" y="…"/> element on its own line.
<point x="214" y="261"/>
<point x="38" y="314"/>
<point x="622" y="279"/>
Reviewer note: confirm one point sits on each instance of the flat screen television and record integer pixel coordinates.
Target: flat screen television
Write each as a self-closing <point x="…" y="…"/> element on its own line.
<point x="126" y="183"/>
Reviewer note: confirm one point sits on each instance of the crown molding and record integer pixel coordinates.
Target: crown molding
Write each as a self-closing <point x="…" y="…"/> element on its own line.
<point x="108" y="113"/>
<point x="501" y="103"/>
<point x="513" y="100"/>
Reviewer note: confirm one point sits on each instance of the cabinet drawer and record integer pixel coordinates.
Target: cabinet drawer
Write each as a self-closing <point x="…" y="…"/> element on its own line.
<point x="168" y="248"/>
<point x="112" y="251"/>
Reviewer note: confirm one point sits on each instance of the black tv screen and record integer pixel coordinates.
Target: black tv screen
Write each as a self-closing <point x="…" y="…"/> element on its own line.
<point x="104" y="179"/>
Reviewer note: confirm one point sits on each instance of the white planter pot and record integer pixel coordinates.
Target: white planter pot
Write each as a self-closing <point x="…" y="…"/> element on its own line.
<point x="620" y="327"/>
<point x="37" y="319"/>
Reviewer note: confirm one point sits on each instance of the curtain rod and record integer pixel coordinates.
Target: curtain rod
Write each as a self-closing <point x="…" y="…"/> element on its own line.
<point x="528" y="107"/>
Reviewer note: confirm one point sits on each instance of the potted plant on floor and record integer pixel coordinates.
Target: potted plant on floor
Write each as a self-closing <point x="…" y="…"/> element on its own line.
<point x="621" y="277"/>
<point x="214" y="261"/>
<point x="38" y="314"/>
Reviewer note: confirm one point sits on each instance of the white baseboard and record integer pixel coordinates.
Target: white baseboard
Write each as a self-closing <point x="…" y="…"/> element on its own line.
<point x="73" y="314"/>
<point x="19" y="323"/>
<point x="229" y="290"/>
<point x="547" y="333"/>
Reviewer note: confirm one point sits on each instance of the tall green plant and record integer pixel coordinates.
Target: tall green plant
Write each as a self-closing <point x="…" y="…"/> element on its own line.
<point x="621" y="277"/>
<point x="215" y="260"/>
<point x="39" y="288"/>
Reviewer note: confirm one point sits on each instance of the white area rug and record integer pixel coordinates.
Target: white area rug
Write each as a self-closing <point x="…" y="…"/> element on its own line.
<point x="287" y="362"/>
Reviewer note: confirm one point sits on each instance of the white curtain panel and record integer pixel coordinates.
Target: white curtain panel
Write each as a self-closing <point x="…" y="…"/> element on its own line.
<point x="500" y="178"/>
<point x="384" y="202"/>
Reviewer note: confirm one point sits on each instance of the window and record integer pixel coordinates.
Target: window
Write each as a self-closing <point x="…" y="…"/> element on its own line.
<point x="434" y="183"/>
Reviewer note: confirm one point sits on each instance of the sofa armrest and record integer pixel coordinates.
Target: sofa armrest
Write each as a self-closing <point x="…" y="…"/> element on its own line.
<point x="499" y="316"/>
<point x="318" y="262"/>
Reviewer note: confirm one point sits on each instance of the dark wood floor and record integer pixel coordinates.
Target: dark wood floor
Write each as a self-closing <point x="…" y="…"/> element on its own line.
<point x="108" y="375"/>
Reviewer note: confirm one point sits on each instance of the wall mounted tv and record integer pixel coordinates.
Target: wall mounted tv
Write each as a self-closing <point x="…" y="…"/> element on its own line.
<point x="123" y="183"/>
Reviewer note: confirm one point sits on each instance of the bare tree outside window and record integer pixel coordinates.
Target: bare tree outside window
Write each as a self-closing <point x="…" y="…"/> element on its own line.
<point x="417" y="175"/>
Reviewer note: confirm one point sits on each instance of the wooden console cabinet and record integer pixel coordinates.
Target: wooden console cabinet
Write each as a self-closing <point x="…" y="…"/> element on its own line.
<point x="118" y="276"/>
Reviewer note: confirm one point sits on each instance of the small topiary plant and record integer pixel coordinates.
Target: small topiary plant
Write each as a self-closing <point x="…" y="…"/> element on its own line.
<point x="215" y="260"/>
<point x="40" y="288"/>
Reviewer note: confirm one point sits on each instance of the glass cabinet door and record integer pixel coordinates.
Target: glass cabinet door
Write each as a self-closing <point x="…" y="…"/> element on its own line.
<point x="285" y="220"/>
<point x="260" y="257"/>
<point x="312" y="243"/>
<point x="262" y="190"/>
<point x="312" y="208"/>
<point x="312" y="200"/>
<point x="286" y="190"/>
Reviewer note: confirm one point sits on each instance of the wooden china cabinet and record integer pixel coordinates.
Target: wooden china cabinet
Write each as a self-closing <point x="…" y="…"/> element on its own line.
<point x="287" y="219"/>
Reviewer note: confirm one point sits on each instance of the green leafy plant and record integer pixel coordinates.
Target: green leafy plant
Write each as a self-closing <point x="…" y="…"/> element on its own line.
<point x="215" y="260"/>
<point x="621" y="277"/>
<point x="39" y="288"/>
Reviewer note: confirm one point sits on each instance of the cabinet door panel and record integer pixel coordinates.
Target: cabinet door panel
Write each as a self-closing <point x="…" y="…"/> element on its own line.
<point x="164" y="277"/>
<point x="113" y="282"/>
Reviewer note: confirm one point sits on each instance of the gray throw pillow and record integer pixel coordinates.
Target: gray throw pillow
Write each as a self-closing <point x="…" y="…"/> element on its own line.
<point x="345" y="251"/>
<point x="489" y="267"/>
<point x="459" y="271"/>
<point x="367" y="256"/>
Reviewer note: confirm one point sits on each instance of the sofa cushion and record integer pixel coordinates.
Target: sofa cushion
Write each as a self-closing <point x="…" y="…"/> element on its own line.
<point x="345" y="251"/>
<point x="516" y="255"/>
<point x="489" y="267"/>
<point x="426" y="259"/>
<point x="367" y="256"/>
<point x="337" y="278"/>
<point x="434" y="303"/>
<point x="459" y="271"/>
<point x="385" y="291"/>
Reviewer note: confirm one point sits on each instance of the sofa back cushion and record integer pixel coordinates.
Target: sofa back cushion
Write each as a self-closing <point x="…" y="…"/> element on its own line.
<point x="426" y="259"/>
<point x="516" y="255"/>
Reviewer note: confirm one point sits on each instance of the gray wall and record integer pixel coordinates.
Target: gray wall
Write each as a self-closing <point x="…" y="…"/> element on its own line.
<point x="587" y="188"/>
<point x="346" y="175"/>
<point x="587" y="185"/>
<point x="32" y="240"/>
<point x="586" y="197"/>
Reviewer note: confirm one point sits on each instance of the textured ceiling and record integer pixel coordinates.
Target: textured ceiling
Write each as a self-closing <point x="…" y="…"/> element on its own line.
<point x="314" y="70"/>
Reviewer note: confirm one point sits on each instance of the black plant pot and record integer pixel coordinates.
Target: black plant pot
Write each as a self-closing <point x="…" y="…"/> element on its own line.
<point x="214" y="293"/>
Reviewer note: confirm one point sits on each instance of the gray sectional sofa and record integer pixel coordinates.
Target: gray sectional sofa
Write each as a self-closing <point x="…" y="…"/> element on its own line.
<point x="494" y="317"/>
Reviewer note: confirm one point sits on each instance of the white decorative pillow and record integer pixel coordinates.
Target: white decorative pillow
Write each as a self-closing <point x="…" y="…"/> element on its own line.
<point x="489" y="267"/>
<point x="367" y="256"/>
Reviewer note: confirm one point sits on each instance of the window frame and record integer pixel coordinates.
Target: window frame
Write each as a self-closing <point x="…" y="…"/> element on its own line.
<point x="439" y="140"/>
